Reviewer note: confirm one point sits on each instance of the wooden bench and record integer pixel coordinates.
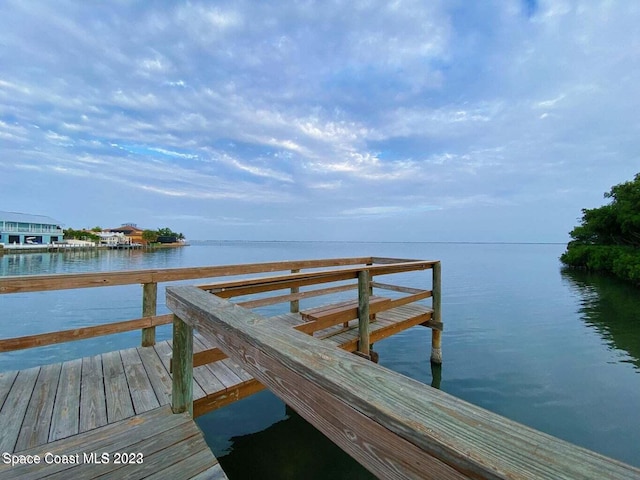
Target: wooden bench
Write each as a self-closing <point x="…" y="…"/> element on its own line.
<point x="327" y="316"/>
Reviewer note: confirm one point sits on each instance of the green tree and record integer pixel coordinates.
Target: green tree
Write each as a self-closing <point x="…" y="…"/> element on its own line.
<point x="150" y="236"/>
<point x="608" y="238"/>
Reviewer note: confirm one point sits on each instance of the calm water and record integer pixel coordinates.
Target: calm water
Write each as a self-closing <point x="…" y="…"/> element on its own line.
<point x="559" y="351"/>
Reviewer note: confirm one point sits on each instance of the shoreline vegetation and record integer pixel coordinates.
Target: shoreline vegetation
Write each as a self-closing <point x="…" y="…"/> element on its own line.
<point x="608" y="239"/>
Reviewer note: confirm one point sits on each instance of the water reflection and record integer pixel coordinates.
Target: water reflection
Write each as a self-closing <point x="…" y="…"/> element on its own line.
<point x="612" y="307"/>
<point x="289" y="449"/>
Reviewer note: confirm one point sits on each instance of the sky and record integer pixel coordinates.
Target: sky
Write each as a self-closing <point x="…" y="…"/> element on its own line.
<point x="351" y="120"/>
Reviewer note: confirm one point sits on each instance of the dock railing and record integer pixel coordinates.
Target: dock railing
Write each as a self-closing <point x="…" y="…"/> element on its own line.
<point x="297" y="274"/>
<point x="394" y="426"/>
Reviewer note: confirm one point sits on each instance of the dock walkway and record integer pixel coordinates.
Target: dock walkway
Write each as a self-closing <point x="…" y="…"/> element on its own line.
<point x="48" y="403"/>
<point x="157" y="444"/>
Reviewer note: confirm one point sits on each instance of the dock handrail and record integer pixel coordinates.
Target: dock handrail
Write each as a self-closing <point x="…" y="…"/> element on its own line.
<point x="316" y="272"/>
<point x="394" y="426"/>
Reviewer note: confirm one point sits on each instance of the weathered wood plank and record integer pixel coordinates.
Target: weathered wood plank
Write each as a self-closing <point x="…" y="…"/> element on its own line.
<point x="418" y="429"/>
<point x="297" y="296"/>
<point x="37" y="420"/>
<point x="158" y="375"/>
<point x="118" y="398"/>
<point x="247" y="286"/>
<point x="15" y="406"/>
<point x="38" y="283"/>
<point x="182" y="374"/>
<point x="155" y="432"/>
<point x="142" y="395"/>
<point x="325" y="317"/>
<point x="6" y="381"/>
<point x="93" y="407"/>
<point x="52" y="338"/>
<point x="65" y="420"/>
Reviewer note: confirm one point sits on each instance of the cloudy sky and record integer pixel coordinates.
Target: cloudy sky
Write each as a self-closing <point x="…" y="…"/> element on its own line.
<point x="319" y="120"/>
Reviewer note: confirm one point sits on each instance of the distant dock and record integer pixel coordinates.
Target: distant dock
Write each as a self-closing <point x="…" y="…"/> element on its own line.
<point x="63" y="247"/>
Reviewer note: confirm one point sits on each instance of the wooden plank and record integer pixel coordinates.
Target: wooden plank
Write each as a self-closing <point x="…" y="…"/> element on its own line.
<point x="155" y="431"/>
<point x="226" y="397"/>
<point x="142" y="395"/>
<point x="93" y="407"/>
<point x="118" y="398"/>
<point x="39" y="283"/>
<point x="51" y="338"/>
<point x="264" y="284"/>
<point x="396" y="288"/>
<point x="395" y="426"/>
<point x="190" y="464"/>
<point x="337" y="313"/>
<point x="15" y="407"/>
<point x="37" y="420"/>
<point x="226" y="375"/>
<point x="65" y="420"/>
<point x="296" y="297"/>
<point x="157" y="373"/>
<point x="6" y="381"/>
<point x="208" y="356"/>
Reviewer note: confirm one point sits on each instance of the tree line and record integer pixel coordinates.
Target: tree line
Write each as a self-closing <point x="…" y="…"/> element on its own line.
<point x="608" y="238"/>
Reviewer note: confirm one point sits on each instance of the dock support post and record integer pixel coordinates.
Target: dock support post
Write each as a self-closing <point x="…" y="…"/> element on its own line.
<point x="149" y="302"/>
<point x="182" y="385"/>
<point x="363" y="312"/>
<point x="436" y="335"/>
<point x="294" y="306"/>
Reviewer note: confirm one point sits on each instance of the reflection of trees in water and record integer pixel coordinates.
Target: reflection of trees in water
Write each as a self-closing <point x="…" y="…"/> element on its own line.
<point x="611" y="306"/>
<point x="290" y="449"/>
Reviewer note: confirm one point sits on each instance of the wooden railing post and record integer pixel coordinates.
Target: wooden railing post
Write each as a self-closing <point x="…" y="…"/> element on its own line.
<point x="182" y="385"/>
<point x="294" y="306"/>
<point x="436" y="335"/>
<point x="364" y="284"/>
<point x="149" y="306"/>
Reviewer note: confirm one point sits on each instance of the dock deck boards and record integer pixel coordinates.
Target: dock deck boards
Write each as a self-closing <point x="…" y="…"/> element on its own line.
<point x="162" y="444"/>
<point x="45" y="404"/>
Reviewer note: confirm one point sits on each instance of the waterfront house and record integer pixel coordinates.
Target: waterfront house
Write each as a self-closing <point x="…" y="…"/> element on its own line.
<point x="22" y="228"/>
<point x="131" y="231"/>
<point x="113" y="239"/>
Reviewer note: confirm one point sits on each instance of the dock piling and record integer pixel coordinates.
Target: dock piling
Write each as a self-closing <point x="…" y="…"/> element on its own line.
<point x="436" y="335"/>
<point x="364" y="285"/>
<point x="182" y="384"/>
<point x="149" y="306"/>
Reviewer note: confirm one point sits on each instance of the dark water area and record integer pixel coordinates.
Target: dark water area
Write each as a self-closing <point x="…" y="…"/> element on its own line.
<point x="555" y="349"/>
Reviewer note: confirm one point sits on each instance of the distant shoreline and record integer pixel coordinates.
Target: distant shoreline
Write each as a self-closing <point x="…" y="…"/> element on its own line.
<point x="211" y="242"/>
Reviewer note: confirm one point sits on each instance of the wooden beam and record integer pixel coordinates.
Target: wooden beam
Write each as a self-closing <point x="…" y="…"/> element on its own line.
<point x="42" y="339"/>
<point x="149" y="306"/>
<point x="436" y="334"/>
<point x="39" y="283"/>
<point x="394" y="426"/>
<point x="182" y="382"/>
<point x="364" y="281"/>
<point x="261" y="302"/>
<point x="248" y="286"/>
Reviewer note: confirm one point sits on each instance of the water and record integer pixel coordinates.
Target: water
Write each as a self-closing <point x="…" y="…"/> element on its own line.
<point x="556" y="350"/>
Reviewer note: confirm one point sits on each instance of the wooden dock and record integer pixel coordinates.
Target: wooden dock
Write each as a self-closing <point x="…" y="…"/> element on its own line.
<point x="51" y="402"/>
<point x="77" y="417"/>
<point x="79" y="407"/>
